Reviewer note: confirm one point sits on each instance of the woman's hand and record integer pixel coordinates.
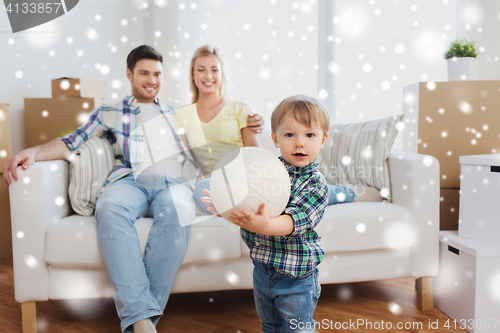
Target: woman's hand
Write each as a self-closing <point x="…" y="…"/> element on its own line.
<point x="255" y="122"/>
<point x="209" y="203"/>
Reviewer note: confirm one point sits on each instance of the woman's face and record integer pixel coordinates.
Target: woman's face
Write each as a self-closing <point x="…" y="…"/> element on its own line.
<point x="207" y="74"/>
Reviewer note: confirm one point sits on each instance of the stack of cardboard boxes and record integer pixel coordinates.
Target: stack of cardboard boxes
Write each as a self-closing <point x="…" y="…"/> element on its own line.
<point x="72" y="100"/>
<point x="5" y="154"/>
<point x="467" y="285"/>
<point x="448" y="120"/>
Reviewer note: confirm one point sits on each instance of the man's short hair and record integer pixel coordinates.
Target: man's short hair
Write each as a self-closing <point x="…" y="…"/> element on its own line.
<point x="306" y="110"/>
<point x="142" y="52"/>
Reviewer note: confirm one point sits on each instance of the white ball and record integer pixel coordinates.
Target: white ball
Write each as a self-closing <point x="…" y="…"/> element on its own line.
<point x="247" y="177"/>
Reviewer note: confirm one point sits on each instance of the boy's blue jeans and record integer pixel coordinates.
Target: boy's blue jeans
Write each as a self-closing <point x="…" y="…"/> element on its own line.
<point x="141" y="287"/>
<point x="285" y="303"/>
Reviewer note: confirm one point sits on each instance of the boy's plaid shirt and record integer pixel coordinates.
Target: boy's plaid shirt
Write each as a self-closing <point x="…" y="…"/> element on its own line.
<point x="301" y="251"/>
<point x="122" y="125"/>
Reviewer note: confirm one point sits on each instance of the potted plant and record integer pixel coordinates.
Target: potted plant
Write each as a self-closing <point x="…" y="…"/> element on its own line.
<point x="460" y="58"/>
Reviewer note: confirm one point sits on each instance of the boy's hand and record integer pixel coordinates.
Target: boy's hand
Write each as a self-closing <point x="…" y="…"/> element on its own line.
<point x="209" y="203"/>
<point x="258" y="223"/>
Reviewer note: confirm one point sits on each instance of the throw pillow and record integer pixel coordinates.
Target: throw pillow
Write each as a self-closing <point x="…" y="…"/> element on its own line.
<point x="357" y="154"/>
<point x="88" y="171"/>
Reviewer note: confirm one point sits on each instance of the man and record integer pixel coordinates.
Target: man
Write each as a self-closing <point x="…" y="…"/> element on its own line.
<point x="141" y="287"/>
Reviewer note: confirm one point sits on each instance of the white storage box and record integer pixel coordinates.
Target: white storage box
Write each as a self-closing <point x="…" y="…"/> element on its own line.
<point x="479" y="213"/>
<point x="467" y="287"/>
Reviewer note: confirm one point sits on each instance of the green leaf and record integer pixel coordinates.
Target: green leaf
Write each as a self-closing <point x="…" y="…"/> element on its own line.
<point x="461" y="48"/>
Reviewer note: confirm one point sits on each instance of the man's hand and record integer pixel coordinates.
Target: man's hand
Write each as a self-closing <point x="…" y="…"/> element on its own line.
<point x="25" y="158"/>
<point x="255" y="122"/>
<point x="259" y="223"/>
<point x="209" y="203"/>
<point x="53" y="150"/>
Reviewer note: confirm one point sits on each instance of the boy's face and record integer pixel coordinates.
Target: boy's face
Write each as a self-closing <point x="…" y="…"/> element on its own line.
<point x="298" y="144"/>
<point x="145" y="80"/>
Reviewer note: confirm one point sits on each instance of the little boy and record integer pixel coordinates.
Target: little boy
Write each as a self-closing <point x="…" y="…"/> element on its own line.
<point x="286" y="250"/>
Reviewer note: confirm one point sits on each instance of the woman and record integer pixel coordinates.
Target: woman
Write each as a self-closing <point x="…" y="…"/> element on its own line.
<point x="213" y="125"/>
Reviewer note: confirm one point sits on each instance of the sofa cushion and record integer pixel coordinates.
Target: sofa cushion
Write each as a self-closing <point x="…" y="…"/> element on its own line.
<point x="366" y="226"/>
<point x="88" y="171"/>
<point x="359" y="226"/>
<point x="357" y="153"/>
<point x="72" y="241"/>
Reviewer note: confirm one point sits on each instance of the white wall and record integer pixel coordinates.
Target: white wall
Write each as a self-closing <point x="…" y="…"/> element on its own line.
<point x="30" y="53"/>
<point x="479" y="20"/>
<point x="270" y="47"/>
<point x="382" y="46"/>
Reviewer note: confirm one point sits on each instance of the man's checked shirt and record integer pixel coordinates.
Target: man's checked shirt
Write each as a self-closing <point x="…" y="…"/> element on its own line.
<point x="301" y="251"/>
<point x="122" y="125"/>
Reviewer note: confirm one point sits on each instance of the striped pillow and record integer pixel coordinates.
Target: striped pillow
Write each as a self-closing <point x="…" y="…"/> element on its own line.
<point x="357" y="154"/>
<point x="88" y="171"/>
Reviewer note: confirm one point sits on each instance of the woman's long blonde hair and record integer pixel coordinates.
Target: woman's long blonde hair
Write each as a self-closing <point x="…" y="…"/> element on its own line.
<point x="204" y="51"/>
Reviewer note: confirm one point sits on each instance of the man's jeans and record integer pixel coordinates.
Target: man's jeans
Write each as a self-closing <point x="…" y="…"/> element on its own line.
<point x="285" y="303"/>
<point x="141" y="287"/>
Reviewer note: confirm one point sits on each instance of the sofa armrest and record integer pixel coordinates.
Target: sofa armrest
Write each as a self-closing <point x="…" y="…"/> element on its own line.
<point x="37" y="199"/>
<point x="415" y="186"/>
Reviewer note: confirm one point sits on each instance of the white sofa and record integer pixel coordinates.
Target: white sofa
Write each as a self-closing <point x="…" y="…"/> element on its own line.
<point x="56" y="254"/>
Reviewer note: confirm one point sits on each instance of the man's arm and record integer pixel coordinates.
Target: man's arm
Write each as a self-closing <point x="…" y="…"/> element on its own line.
<point x="53" y="150"/>
<point x="250" y="138"/>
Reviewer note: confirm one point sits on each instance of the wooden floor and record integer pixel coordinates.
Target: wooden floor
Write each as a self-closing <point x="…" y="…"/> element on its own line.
<point x="390" y="301"/>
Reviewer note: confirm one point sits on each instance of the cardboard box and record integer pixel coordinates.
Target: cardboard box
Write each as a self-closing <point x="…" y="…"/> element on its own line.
<point x="47" y="118"/>
<point x="479" y="193"/>
<point x="466" y="287"/>
<point x="448" y="209"/>
<point x="5" y="229"/>
<point x="5" y="143"/>
<point x="68" y="87"/>
<point x="450" y="119"/>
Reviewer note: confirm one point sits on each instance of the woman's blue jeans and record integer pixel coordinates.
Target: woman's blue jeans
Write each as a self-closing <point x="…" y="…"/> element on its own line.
<point x="336" y="194"/>
<point x="141" y="287"/>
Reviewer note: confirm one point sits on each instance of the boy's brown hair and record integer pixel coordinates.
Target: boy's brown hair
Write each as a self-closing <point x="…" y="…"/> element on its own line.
<point x="306" y="110"/>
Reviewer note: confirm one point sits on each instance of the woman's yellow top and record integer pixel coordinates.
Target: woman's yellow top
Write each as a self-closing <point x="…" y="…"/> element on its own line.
<point x="211" y="141"/>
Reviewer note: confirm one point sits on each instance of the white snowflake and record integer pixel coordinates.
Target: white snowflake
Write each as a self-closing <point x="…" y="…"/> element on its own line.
<point x="400" y="48"/>
<point x="105" y="70"/>
<point x="92" y="34"/>
<point x="31" y="261"/>
<point x="116" y="84"/>
<point x="395" y="308"/>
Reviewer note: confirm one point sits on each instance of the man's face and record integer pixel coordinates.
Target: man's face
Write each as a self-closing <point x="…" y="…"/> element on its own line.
<point x="145" y="80"/>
